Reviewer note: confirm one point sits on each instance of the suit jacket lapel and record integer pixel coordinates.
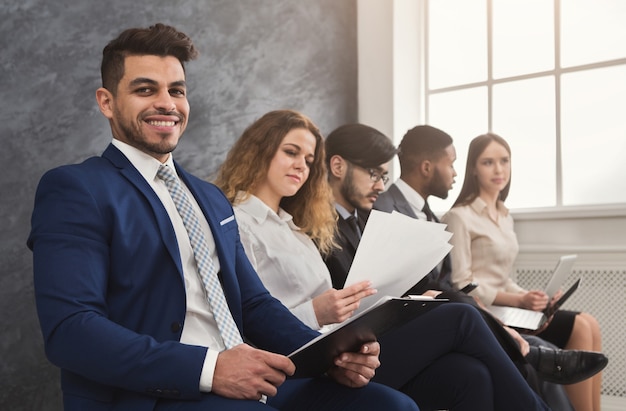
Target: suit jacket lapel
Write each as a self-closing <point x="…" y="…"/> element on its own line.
<point x="209" y="212"/>
<point x="400" y="202"/>
<point x="130" y="173"/>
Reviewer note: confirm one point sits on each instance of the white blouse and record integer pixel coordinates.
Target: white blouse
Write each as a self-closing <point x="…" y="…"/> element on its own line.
<point x="483" y="250"/>
<point x="286" y="259"/>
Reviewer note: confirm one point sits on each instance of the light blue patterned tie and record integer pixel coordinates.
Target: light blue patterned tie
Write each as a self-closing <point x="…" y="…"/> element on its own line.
<point x="206" y="268"/>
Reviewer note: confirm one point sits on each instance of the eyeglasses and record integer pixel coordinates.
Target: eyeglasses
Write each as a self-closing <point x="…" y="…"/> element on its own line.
<point x="375" y="176"/>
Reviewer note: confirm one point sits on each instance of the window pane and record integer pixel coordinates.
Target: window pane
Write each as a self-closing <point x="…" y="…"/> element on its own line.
<point x="524" y="115"/>
<point x="592" y="31"/>
<point x="523" y="37"/>
<point x="463" y="115"/>
<point x="594" y="136"/>
<point x="457" y="42"/>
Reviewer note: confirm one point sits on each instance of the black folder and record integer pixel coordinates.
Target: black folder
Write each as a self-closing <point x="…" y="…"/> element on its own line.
<point x="317" y="356"/>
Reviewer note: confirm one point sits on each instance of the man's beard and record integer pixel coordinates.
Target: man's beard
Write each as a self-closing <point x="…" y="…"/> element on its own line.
<point x="135" y="137"/>
<point x="351" y="194"/>
<point x="438" y="187"/>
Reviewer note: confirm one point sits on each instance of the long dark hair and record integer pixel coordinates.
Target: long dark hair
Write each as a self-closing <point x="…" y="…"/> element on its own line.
<point x="471" y="189"/>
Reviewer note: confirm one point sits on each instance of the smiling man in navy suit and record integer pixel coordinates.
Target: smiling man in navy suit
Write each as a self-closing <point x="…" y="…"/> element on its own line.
<point x="123" y="311"/>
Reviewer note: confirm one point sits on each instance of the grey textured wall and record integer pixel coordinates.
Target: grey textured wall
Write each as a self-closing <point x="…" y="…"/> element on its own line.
<point x="256" y="56"/>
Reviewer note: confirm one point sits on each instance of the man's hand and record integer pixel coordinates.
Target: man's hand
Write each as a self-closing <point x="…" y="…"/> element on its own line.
<point x="335" y="306"/>
<point x="356" y="369"/>
<point x="244" y="372"/>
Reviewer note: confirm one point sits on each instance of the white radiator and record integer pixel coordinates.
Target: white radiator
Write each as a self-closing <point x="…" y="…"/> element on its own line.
<point x="602" y="294"/>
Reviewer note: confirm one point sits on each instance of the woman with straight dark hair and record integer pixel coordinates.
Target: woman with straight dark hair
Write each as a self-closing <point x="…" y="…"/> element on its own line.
<point x="485" y="248"/>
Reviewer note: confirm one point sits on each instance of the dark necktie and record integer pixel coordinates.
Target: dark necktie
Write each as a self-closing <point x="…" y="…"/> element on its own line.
<point x="442" y="271"/>
<point x="354" y="225"/>
<point x="430" y="216"/>
<point x="206" y="269"/>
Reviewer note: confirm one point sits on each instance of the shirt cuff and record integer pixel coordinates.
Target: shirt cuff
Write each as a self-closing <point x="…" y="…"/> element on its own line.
<point x="306" y="313"/>
<point x="208" y="370"/>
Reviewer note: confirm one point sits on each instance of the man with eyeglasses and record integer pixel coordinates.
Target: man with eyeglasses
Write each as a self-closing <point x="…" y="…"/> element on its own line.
<point x="357" y="174"/>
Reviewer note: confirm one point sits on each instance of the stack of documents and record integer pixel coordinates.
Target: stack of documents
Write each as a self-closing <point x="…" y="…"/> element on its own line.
<point x="395" y="252"/>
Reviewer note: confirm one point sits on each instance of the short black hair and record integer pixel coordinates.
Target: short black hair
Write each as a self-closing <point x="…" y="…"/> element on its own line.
<point x="422" y="143"/>
<point x="359" y="144"/>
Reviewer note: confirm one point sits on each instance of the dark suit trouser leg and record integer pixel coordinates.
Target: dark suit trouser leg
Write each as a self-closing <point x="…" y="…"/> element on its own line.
<point x="554" y="395"/>
<point x="460" y="329"/>
<point x="442" y="385"/>
<point x="305" y="395"/>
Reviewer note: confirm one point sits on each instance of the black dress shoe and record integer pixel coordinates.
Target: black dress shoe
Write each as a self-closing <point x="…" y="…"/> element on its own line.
<point x="565" y="366"/>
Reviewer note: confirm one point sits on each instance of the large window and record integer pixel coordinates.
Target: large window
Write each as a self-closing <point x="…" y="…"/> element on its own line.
<point x="549" y="77"/>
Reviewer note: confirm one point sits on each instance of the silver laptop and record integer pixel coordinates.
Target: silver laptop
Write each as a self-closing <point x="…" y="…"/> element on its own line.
<point x="561" y="272"/>
<point x="532" y="320"/>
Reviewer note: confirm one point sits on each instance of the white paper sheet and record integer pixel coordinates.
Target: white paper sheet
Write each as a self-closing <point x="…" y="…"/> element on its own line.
<point x="396" y="252"/>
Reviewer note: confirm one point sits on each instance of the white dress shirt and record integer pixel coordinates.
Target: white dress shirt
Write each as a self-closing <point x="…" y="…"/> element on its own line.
<point x="200" y="327"/>
<point x="286" y="259"/>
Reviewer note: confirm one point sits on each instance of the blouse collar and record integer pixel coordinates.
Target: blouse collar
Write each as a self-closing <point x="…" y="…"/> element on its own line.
<point x="260" y="211"/>
<point x="479" y="206"/>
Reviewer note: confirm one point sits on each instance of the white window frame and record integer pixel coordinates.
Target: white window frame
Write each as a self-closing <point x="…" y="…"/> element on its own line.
<point x="392" y="88"/>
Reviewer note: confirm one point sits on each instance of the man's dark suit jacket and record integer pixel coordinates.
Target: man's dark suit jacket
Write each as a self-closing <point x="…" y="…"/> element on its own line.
<point x="110" y="290"/>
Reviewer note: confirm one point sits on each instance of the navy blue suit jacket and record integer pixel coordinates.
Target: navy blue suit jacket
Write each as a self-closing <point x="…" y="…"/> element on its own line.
<point x="110" y="291"/>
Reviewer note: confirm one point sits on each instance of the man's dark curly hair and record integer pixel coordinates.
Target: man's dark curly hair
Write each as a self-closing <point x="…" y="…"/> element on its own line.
<point x="156" y="40"/>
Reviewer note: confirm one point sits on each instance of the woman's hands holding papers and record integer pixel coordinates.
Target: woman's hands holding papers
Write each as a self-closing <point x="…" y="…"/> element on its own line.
<point x="335" y="306"/>
<point x="356" y="369"/>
